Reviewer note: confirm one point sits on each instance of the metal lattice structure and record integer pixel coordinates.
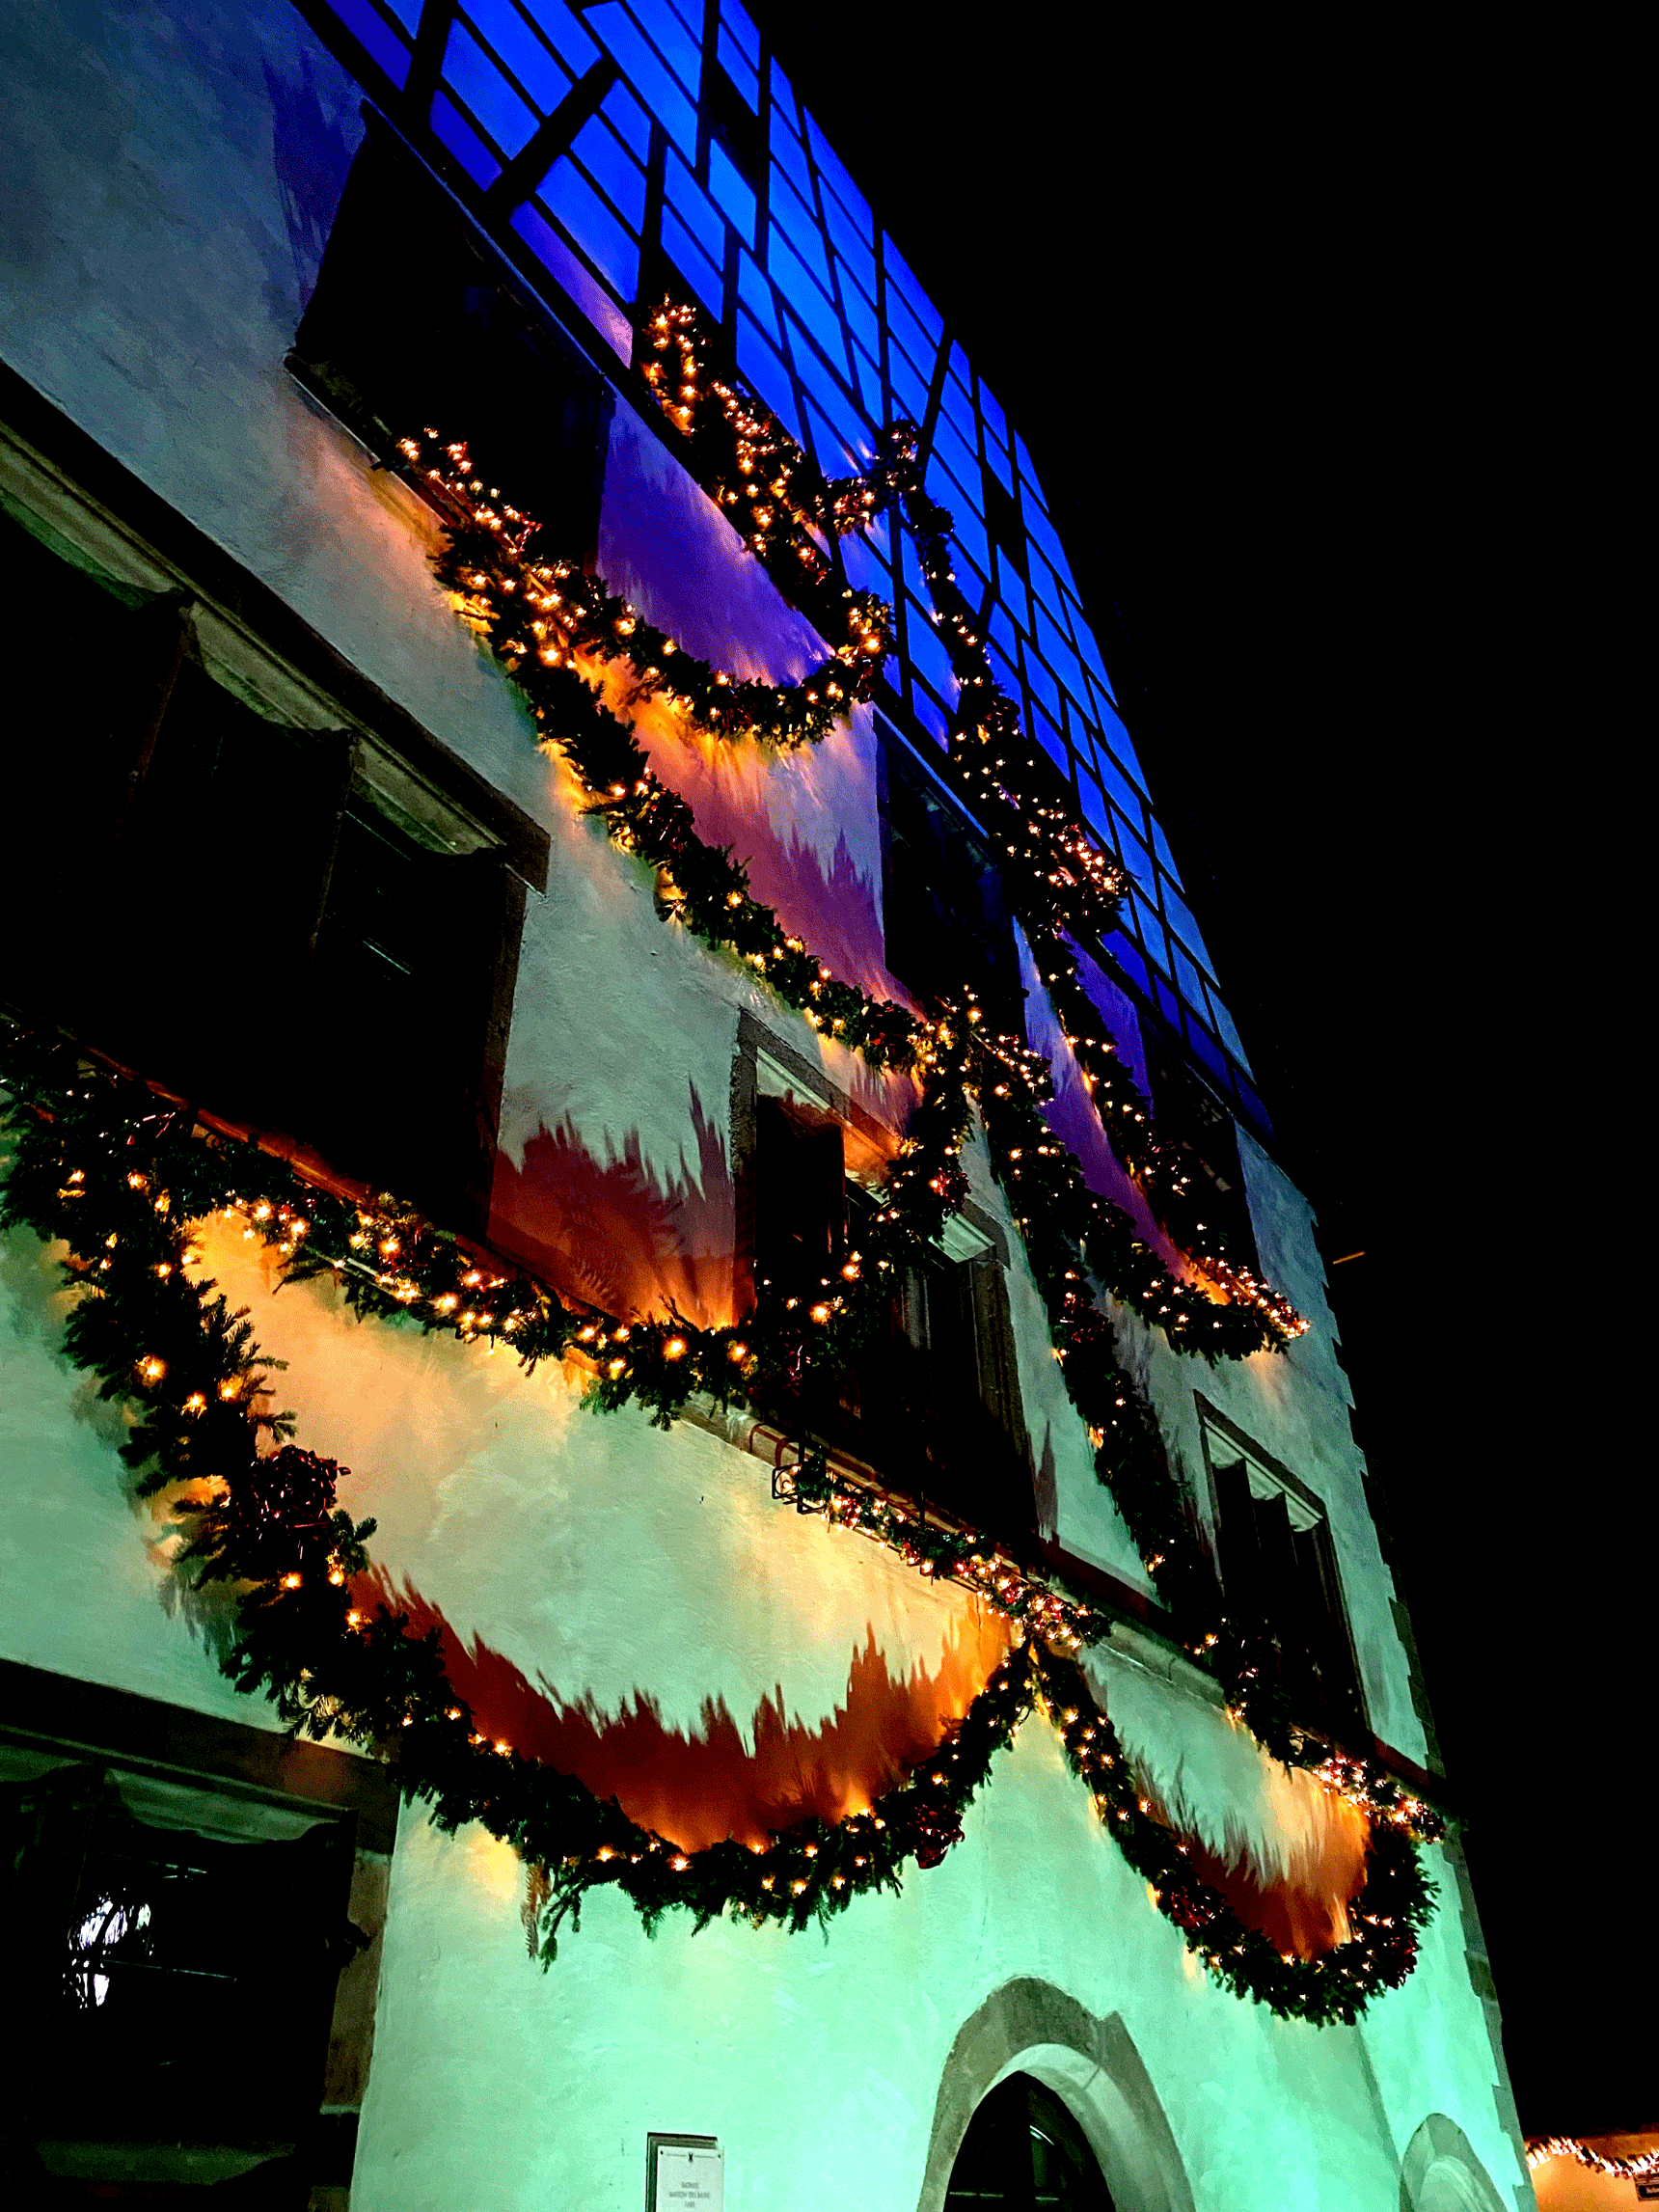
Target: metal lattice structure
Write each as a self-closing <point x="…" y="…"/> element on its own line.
<point x="623" y="150"/>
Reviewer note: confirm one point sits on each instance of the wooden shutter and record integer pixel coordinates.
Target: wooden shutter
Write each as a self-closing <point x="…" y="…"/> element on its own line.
<point x="944" y="914"/>
<point x="799" y="1222"/>
<point x="998" y="1372"/>
<point x="1281" y="1596"/>
<point x="1241" y="1565"/>
<point x="977" y="1450"/>
<point x="1336" y="1676"/>
<point x="480" y="965"/>
<point x="380" y="1093"/>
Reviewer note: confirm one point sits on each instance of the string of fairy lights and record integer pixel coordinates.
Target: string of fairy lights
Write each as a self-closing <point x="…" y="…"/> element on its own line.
<point x="126" y="1180"/>
<point x="569" y="615"/>
<point x="1062" y="885"/>
<point x="645" y="819"/>
<point x="270" y="1525"/>
<point x="1071" y="1233"/>
<point x="1073" y="1237"/>
<point x="1637" y="2169"/>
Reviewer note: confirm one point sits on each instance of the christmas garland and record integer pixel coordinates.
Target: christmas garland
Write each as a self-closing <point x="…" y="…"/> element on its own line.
<point x="1070" y="1232"/>
<point x="194" y="1374"/>
<point x="1636" y="2169"/>
<point x="520" y="606"/>
<point x="1061" y="886"/>
<point x="168" y="1345"/>
<point x="1053" y="868"/>
<point x="122" y="1177"/>
<point x="573" y="612"/>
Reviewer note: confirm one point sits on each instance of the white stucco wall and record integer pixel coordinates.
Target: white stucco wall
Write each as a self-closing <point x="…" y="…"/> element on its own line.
<point x="612" y="1565"/>
<point x="170" y="178"/>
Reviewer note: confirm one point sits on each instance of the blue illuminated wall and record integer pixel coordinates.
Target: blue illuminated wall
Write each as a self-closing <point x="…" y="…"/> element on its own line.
<point x="656" y="145"/>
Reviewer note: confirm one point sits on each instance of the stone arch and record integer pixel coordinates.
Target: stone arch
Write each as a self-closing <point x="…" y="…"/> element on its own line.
<point x="1441" y="2173"/>
<point x="1091" y="2065"/>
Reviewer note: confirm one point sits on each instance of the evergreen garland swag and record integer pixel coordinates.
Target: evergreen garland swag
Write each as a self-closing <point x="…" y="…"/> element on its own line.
<point x="1061" y="884"/>
<point x="121" y="1178"/>
<point x="270" y="1524"/>
<point x="1071" y="1234"/>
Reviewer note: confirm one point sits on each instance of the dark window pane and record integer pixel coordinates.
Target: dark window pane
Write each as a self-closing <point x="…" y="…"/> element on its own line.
<point x="1024" y="2152"/>
<point x="398" y="1008"/>
<point x="800" y="1181"/>
<point x="943" y="910"/>
<point x="147" y="1953"/>
<point x="216" y="937"/>
<point x="414" y="322"/>
<point x="78" y="746"/>
<point x="1279" y="1575"/>
<point x="1195" y="1127"/>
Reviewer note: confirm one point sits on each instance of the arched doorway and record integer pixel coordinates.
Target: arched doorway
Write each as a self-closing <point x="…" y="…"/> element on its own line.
<point x="1089" y="2065"/>
<point x="1441" y="2173"/>
<point x="1023" y="2152"/>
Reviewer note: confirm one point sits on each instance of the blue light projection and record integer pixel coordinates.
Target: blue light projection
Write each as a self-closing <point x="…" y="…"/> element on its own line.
<point x="702" y="154"/>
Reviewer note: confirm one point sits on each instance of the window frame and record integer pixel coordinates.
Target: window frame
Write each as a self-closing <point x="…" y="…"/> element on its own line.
<point x="84" y="509"/>
<point x="384" y="156"/>
<point x="1044" y="2116"/>
<point x="997" y="983"/>
<point x="250" y="1773"/>
<point x="1212" y="1423"/>
<point x="1183" y="1102"/>
<point x="766" y="1065"/>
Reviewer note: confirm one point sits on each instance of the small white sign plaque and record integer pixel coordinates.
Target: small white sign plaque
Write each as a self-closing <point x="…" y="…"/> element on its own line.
<point x="685" y="2174"/>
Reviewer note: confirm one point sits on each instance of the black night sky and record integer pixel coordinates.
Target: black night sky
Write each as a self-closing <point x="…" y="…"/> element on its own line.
<point x="1282" y="324"/>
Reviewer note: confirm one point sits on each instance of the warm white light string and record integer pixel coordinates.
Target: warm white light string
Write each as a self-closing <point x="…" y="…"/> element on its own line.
<point x="1569" y="2146"/>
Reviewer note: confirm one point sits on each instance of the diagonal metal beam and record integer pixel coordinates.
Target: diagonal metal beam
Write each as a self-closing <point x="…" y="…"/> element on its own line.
<point x="550" y="139"/>
<point x="428" y="60"/>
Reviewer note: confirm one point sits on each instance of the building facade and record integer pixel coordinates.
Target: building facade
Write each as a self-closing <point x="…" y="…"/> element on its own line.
<point x="824" y="1508"/>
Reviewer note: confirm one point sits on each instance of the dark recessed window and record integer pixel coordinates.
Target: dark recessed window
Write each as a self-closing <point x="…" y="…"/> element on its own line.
<point x="1024" y="2152"/>
<point x="946" y="920"/>
<point x="932" y="1401"/>
<point x="284" y="925"/>
<point x="1193" y="1123"/>
<point x="936" y="1397"/>
<point x="800" y="1196"/>
<point x="1279" y="1578"/>
<point x="171" y="1988"/>
<point x="418" y="322"/>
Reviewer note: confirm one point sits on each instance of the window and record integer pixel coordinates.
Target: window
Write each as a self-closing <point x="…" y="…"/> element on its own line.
<point x="1278" y="1573"/>
<point x="932" y="1402"/>
<point x="193" y="1947"/>
<point x="1192" y="1121"/>
<point x="300" y="913"/>
<point x="1024" y="2152"/>
<point x="944" y="914"/>
<point x="417" y="320"/>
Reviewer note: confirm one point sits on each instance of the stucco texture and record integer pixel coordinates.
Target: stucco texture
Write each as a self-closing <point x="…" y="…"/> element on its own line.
<point x="638" y="1602"/>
